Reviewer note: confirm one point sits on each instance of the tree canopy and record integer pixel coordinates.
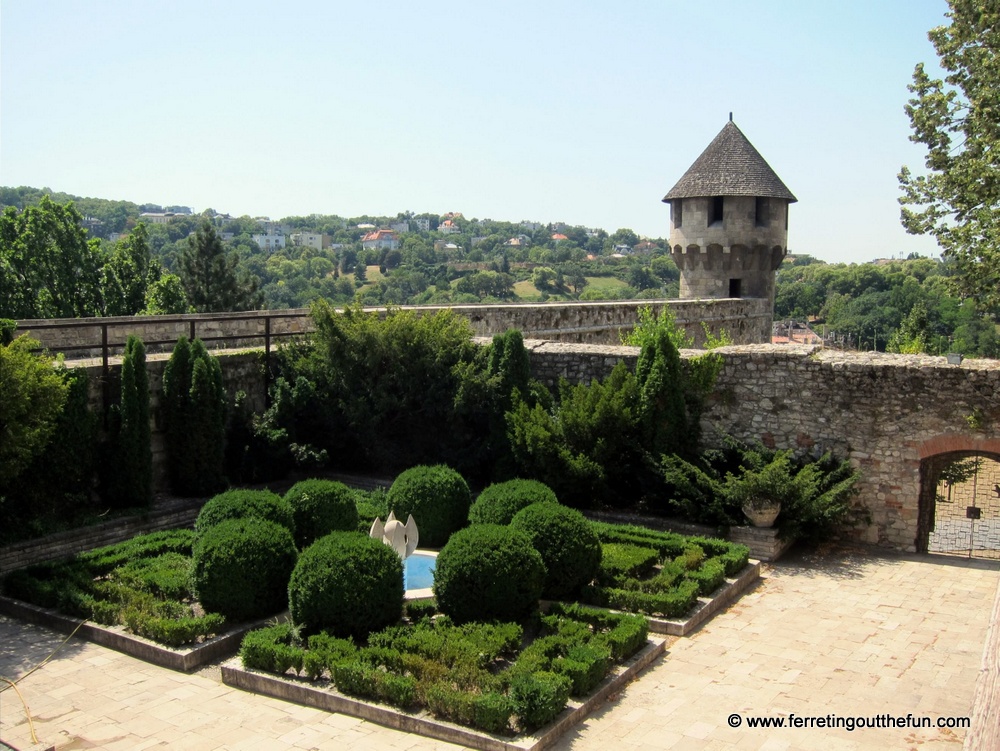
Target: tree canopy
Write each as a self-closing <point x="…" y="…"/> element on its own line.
<point x="213" y="279"/>
<point x="957" y="119"/>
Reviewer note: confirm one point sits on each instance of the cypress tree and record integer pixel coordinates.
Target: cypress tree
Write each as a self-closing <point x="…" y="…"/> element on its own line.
<point x="194" y="419"/>
<point x="663" y="410"/>
<point x="176" y="410"/>
<point x="132" y="484"/>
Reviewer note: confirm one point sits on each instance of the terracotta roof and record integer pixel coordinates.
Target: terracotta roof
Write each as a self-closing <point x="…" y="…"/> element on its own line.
<point x="730" y="166"/>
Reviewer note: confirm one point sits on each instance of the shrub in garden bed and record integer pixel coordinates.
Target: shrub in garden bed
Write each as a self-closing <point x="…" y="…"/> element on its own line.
<point x="241" y="567"/>
<point x="569" y="547"/>
<point x="437" y="497"/>
<point x="346" y="583"/>
<point x="498" y="502"/>
<point x="142" y="584"/>
<point x="320" y="507"/>
<point x="488" y="572"/>
<point x="243" y="503"/>
<point x="371" y="505"/>
<point x="660" y="573"/>
<point x="476" y="674"/>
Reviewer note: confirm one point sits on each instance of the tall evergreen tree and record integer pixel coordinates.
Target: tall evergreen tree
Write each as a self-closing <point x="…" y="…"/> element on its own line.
<point x="132" y="481"/>
<point x="212" y="277"/>
<point x="194" y="419"/>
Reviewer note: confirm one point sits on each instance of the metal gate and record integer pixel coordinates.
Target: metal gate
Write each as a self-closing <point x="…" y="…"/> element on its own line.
<point x="967" y="509"/>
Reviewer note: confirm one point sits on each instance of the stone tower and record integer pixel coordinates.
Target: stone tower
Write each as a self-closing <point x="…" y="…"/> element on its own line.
<point x="729" y="221"/>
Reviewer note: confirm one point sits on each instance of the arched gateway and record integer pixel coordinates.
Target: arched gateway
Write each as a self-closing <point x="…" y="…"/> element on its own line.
<point x="959" y="507"/>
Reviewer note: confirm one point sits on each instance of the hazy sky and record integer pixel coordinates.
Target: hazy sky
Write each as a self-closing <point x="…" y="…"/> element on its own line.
<point x="581" y="112"/>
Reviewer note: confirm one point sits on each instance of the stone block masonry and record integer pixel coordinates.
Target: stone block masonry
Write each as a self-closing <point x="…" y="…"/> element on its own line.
<point x="745" y="321"/>
<point x="886" y="413"/>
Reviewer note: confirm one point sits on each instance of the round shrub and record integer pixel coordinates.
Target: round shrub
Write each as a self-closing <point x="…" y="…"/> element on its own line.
<point x="320" y="507"/>
<point x="240" y="504"/>
<point x="240" y="567"/>
<point x="498" y="503"/>
<point x="348" y="584"/>
<point x="567" y="543"/>
<point x="437" y="497"/>
<point x="488" y="572"/>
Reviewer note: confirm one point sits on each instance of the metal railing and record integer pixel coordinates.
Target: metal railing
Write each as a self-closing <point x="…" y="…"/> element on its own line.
<point x="110" y="344"/>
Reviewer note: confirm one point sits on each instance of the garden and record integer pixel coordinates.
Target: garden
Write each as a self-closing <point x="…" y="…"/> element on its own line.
<point x="534" y="606"/>
<point x="517" y="629"/>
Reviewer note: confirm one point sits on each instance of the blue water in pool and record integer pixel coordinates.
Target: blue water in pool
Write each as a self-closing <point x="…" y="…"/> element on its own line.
<point x="418" y="571"/>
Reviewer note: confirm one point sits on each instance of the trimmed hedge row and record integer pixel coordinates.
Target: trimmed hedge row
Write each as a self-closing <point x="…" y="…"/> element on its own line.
<point x="472" y="673"/>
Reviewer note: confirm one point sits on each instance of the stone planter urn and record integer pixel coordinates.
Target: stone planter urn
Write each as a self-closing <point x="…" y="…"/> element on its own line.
<point x="762" y="514"/>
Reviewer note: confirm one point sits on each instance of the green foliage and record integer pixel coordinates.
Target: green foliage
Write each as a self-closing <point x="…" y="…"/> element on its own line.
<point x="32" y="396"/>
<point x="588" y="446"/>
<point x="142" y="583"/>
<point x="321" y="507"/>
<point x="626" y="561"/>
<point x="488" y="572"/>
<point x="498" y="503"/>
<point x="815" y="495"/>
<point x="194" y="420"/>
<point x="241" y="567"/>
<point x="128" y="273"/>
<point x="663" y="414"/>
<point x="273" y="649"/>
<point x="569" y="548"/>
<point x="438" y="497"/>
<point x="955" y="119"/>
<point x="41" y="500"/>
<point x="538" y="698"/>
<point x="266" y="447"/>
<point x="384" y="383"/>
<point x="130" y="480"/>
<point x="213" y="279"/>
<point x="372" y="505"/>
<point x="243" y="504"/>
<point x="48" y="267"/>
<point x="346" y="583"/>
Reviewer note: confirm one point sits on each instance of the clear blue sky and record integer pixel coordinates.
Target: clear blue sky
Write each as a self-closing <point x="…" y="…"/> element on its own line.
<point x="582" y="112"/>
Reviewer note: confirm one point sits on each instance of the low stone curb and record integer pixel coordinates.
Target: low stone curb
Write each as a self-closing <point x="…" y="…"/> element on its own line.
<point x="181" y="659"/>
<point x="302" y="692"/>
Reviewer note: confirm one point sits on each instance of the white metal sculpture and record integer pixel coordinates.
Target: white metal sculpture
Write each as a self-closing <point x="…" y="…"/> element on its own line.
<point x="402" y="538"/>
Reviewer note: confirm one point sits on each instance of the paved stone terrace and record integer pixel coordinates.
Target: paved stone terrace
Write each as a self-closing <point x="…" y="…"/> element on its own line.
<point x="845" y="633"/>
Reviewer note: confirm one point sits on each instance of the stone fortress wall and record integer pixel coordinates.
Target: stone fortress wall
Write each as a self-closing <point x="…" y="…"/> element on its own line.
<point x="888" y="414"/>
<point x="746" y="321"/>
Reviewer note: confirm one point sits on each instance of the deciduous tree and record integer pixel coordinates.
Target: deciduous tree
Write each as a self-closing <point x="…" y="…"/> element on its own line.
<point x="958" y="119"/>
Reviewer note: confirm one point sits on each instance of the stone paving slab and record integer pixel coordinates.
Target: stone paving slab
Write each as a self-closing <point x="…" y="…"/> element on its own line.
<point x="845" y="634"/>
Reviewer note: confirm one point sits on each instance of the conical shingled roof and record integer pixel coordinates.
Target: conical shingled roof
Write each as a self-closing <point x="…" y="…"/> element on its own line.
<point x="730" y="166"/>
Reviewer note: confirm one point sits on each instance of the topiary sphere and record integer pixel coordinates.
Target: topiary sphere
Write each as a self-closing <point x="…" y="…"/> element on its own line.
<point x="348" y="584"/>
<point x="488" y="572"/>
<point x="320" y="507"/>
<point x="242" y="503"/>
<point x="240" y="567"/>
<point x="498" y="503"/>
<point x="437" y="497"/>
<point x="567" y="543"/>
